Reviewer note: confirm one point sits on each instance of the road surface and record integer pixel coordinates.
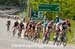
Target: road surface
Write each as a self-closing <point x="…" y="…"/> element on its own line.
<point x="7" y="41"/>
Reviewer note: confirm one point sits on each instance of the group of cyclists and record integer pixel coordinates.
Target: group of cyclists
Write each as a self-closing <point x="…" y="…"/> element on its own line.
<point x="33" y="29"/>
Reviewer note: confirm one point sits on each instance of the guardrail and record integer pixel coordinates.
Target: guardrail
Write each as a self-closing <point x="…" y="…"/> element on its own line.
<point x="8" y="16"/>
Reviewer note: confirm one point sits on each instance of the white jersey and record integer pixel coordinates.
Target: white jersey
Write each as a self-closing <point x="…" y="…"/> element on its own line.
<point x="60" y="26"/>
<point x="25" y="25"/>
<point x="56" y="26"/>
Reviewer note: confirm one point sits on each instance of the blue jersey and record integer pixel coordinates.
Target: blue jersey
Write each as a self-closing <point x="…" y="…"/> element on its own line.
<point x="57" y="20"/>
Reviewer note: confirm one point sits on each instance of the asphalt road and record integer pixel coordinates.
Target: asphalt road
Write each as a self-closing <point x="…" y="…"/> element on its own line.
<point x="7" y="41"/>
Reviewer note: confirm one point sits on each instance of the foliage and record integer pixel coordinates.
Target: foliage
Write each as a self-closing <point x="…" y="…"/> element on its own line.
<point x="67" y="8"/>
<point x="21" y="3"/>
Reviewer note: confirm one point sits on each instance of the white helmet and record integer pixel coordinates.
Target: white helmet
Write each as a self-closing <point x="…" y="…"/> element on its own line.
<point x="57" y="16"/>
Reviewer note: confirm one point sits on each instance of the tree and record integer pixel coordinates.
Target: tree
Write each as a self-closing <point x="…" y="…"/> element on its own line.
<point x="67" y="8"/>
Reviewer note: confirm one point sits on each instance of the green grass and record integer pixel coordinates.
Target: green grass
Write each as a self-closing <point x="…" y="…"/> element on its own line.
<point x="70" y="35"/>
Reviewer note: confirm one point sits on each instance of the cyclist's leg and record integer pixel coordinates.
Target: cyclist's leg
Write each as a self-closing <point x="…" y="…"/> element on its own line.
<point x="14" y="31"/>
